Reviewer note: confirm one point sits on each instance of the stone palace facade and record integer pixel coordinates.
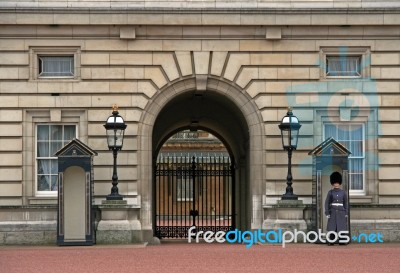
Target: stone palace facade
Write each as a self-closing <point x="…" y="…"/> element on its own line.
<point x="228" y="67"/>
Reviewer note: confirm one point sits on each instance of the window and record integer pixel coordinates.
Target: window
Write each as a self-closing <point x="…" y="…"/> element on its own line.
<point x="184" y="191"/>
<point x="55" y="62"/>
<point x="352" y="136"/>
<point x="345" y="62"/>
<point x="56" y="66"/>
<point x="186" y="135"/>
<point x="50" y="138"/>
<point x="343" y="66"/>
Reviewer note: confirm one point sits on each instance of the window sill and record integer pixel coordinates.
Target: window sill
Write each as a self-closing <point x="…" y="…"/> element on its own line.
<point x="55" y="79"/>
<point x="343" y="77"/>
<point x="360" y="199"/>
<point x="43" y="200"/>
<point x="332" y="78"/>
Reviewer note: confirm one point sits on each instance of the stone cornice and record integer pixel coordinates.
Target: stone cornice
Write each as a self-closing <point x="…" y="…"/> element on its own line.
<point x="165" y="10"/>
<point x="200" y="17"/>
<point x="202" y="4"/>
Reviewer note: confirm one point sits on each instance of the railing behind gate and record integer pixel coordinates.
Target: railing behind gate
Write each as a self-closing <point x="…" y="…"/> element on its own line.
<point x="195" y="191"/>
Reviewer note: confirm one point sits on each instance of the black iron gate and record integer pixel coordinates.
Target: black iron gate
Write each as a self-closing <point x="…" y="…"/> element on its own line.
<point x="193" y="191"/>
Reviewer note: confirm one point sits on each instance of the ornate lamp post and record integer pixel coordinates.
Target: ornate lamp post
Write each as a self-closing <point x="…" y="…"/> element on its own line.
<point x="115" y="126"/>
<point x="289" y="127"/>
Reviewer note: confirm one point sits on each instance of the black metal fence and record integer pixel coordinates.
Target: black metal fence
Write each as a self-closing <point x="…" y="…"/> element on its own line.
<point x="193" y="191"/>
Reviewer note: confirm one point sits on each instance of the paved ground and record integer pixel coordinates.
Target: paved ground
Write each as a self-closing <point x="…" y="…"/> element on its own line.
<point x="183" y="257"/>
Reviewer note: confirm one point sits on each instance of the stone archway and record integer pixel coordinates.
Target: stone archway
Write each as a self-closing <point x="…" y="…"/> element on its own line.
<point x="220" y="108"/>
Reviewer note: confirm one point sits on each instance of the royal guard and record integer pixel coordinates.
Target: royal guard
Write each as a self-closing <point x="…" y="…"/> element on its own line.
<point x="336" y="206"/>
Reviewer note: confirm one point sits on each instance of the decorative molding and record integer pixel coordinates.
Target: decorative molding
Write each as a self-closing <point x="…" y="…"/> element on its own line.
<point x="202" y="5"/>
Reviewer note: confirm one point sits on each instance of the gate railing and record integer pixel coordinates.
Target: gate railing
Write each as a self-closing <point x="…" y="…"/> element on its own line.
<point x="193" y="191"/>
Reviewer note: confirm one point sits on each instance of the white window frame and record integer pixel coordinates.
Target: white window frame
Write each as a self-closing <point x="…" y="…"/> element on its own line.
<point x="353" y="192"/>
<point x="72" y="67"/>
<point x="46" y="193"/>
<point x="357" y="71"/>
<point x="362" y="52"/>
<point x="37" y="52"/>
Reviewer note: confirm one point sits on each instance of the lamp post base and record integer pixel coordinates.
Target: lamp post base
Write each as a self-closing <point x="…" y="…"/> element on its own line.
<point x="289" y="197"/>
<point x="114" y="197"/>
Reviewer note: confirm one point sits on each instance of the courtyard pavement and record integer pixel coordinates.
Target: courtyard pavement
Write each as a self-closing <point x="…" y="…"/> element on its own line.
<point x="202" y="257"/>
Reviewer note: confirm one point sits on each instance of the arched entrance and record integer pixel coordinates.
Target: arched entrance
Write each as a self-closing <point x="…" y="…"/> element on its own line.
<point x="194" y="182"/>
<point x="222" y="110"/>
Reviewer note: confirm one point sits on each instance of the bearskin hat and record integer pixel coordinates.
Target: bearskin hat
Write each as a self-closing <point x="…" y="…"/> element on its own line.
<point x="336" y="177"/>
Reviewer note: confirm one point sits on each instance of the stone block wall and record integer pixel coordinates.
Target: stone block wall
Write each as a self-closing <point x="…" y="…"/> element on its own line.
<point x="28" y="225"/>
<point x="168" y="49"/>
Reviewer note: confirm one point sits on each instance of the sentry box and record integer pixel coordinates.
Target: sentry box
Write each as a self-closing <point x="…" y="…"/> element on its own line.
<point x="75" y="220"/>
<point x="329" y="156"/>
